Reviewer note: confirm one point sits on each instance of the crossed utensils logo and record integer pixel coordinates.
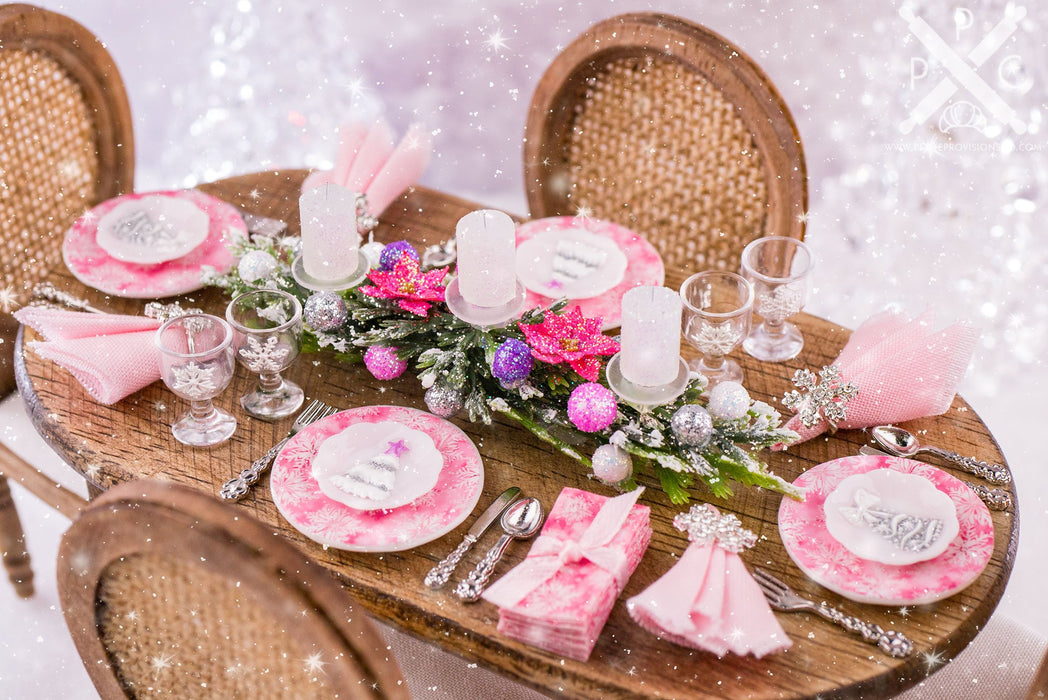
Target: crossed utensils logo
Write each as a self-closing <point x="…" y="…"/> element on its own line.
<point x="962" y="74"/>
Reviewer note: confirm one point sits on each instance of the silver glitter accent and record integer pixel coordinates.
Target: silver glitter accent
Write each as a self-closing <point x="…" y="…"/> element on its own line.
<point x="907" y="532"/>
<point x="692" y="425"/>
<point x="166" y="312"/>
<point x="827" y="396"/>
<point x="705" y="525"/>
<point x="443" y="400"/>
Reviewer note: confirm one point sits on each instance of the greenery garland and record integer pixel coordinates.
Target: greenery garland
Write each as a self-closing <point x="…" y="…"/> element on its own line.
<point x="447" y="351"/>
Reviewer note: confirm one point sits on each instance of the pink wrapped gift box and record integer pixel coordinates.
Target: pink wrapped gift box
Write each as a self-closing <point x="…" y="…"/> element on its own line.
<point x="560" y="596"/>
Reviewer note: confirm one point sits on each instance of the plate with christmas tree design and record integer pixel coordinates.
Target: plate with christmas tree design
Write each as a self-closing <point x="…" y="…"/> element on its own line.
<point x="358" y="471"/>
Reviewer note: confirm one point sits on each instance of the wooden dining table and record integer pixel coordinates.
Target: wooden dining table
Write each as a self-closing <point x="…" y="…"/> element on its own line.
<point x="132" y="440"/>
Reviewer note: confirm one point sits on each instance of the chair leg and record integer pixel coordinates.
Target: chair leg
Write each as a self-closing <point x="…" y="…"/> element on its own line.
<point x="12" y="544"/>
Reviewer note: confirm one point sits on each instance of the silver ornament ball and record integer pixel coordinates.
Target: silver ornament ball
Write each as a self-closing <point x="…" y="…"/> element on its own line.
<point x="324" y="311"/>
<point x="692" y="425"/>
<point x="256" y="265"/>
<point x="443" y="400"/>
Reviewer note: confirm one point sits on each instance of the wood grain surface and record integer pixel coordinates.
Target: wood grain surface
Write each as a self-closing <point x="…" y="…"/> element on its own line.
<point x="132" y="439"/>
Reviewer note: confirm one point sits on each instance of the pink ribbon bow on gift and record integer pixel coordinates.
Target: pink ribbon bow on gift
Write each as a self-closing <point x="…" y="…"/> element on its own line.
<point x="367" y="162"/>
<point x="893" y="369"/>
<point x="111" y="355"/>
<point x="708" y="600"/>
<point x="549" y="554"/>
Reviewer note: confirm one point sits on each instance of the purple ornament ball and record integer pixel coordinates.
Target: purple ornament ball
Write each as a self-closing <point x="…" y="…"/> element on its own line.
<point x="387" y="260"/>
<point x="383" y="362"/>
<point x="591" y="407"/>
<point x="513" y="362"/>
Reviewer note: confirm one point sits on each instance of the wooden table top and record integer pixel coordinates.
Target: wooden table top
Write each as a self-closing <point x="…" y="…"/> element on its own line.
<point x="133" y="440"/>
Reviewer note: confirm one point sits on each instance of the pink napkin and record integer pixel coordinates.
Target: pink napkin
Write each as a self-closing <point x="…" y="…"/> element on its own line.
<point x="901" y="369"/>
<point x="111" y="355"/>
<point x="367" y="162"/>
<point x="560" y="596"/>
<point x="708" y="600"/>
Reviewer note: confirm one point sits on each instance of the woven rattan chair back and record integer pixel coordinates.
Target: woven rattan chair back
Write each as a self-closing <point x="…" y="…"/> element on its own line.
<point x="668" y="129"/>
<point x="169" y="592"/>
<point x="66" y="143"/>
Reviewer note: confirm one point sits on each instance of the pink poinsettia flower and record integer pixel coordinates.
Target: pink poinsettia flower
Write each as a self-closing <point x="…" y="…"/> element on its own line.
<point x="570" y="338"/>
<point x="414" y="290"/>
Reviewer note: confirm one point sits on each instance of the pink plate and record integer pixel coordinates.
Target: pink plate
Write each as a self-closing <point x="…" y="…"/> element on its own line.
<point x="432" y="515"/>
<point x="96" y="268"/>
<point x="644" y="265"/>
<point x="802" y="526"/>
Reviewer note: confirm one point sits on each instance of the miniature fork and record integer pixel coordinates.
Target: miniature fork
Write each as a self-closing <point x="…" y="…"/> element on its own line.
<point x="781" y="597"/>
<point x="238" y="487"/>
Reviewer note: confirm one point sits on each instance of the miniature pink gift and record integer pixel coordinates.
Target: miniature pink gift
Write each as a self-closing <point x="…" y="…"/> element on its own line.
<point x="560" y="596"/>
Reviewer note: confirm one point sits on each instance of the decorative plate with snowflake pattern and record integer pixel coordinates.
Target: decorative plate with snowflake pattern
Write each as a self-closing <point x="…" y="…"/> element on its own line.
<point x="435" y="513"/>
<point x="96" y="268"/>
<point x="643" y="265"/>
<point x="802" y="526"/>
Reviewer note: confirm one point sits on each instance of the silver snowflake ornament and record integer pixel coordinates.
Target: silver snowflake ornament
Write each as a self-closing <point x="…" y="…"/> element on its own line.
<point x="263" y="357"/>
<point x="779" y="305"/>
<point x="194" y="381"/>
<point x="717" y="338"/>
<point x="826" y="398"/>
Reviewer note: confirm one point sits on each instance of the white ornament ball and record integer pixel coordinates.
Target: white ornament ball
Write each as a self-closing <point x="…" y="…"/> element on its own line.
<point x="612" y="464"/>
<point x="692" y="425"/>
<point x="728" y="401"/>
<point x="372" y="251"/>
<point x="256" y="265"/>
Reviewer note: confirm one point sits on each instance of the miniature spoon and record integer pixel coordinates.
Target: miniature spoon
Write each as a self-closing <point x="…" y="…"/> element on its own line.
<point x="521" y="520"/>
<point x="903" y="443"/>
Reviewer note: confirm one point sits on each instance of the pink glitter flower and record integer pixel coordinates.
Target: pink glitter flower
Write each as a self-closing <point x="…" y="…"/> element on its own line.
<point x="570" y="338"/>
<point x="413" y="289"/>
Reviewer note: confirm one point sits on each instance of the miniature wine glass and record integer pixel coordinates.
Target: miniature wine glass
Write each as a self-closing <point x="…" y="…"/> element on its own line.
<point x="778" y="268"/>
<point x="267" y="326"/>
<point x="717" y="310"/>
<point x="196" y="363"/>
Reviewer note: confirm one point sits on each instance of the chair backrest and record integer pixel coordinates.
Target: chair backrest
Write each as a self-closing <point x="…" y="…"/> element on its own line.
<point x="66" y="144"/>
<point x="167" y="590"/>
<point x="669" y="129"/>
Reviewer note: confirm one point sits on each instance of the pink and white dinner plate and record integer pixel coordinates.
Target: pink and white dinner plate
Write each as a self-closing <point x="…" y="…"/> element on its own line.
<point x="299" y="499"/>
<point x="96" y="268"/>
<point x="643" y="264"/>
<point x="802" y="525"/>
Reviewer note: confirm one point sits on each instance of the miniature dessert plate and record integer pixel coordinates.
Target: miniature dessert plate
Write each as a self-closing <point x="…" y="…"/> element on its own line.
<point x="152" y="229"/>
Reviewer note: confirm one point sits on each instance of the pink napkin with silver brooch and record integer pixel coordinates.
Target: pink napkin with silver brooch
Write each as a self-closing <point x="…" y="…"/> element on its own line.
<point x="111" y="355"/>
<point x="708" y="600"/>
<point x="368" y="163"/>
<point x="893" y="369"/>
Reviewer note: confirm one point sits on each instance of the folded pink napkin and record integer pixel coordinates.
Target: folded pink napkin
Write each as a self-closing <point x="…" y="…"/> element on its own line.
<point x="560" y="596"/>
<point x="708" y="600"/>
<point x="111" y="355"/>
<point x="368" y="163"/>
<point x="893" y="369"/>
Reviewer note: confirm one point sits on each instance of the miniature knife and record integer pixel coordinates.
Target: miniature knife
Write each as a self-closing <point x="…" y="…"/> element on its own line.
<point x="439" y="574"/>
<point x="995" y="499"/>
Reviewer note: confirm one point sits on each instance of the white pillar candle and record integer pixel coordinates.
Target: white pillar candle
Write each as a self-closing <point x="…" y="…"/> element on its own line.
<point x="330" y="239"/>
<point x="485" y="242"/>
<point x="650" y="335"/>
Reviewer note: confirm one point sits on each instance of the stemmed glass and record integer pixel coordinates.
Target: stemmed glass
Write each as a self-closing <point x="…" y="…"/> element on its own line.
<point x="717" y="310"/>
<point x="196" y="363"/>
<point x="267" y="326"/>
<point x="778" y="267"/>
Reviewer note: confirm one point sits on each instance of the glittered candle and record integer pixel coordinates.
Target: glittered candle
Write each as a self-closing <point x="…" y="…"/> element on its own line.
<point x="329" y="232"/>
<point x="650" y="337"/>
<point x="485" y="241"/>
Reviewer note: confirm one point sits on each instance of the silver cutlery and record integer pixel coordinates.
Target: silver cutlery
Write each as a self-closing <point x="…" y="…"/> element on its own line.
<point x="781" y="597"/>
<point x="238" y="487"/>
<point x="521" y="520"/>
<point x="439" y="574"/>
<point x="903" y="443"/>
<point x="995" y="499"/>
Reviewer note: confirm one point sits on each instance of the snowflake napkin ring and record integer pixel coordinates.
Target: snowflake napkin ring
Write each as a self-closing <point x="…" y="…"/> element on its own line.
<point x="826" y="399"/>
<point x="704" y="524"/>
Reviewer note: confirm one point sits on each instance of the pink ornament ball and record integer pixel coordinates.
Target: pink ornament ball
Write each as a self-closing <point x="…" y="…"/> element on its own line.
<point x="383" y="362"/>
<point x="591" y="407"/>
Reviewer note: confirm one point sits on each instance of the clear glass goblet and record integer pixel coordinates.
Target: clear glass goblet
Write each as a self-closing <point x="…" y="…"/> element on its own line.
<point x="717" y="310"/>
<point x="196" y="363"/>
<point x="778" y="267"/>
<point x="267" y="327"/>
